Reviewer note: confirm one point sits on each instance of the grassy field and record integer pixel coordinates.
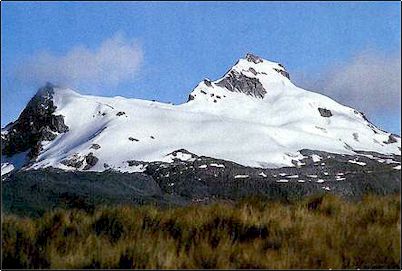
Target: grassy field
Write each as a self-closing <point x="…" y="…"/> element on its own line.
<point x="320" y="232"/>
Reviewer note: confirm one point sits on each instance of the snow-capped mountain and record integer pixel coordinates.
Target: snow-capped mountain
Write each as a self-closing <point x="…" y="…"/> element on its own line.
<point x="254" y="116"/>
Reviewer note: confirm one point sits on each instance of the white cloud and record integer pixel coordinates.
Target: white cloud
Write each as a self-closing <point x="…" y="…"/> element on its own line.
<point x="114" y="61"/>
<point x="369" y="82"/>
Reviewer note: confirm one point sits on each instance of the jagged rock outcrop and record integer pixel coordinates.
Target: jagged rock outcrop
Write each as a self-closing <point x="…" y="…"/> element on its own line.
<point x="190" y="98"/>
<point x="91" y="160"/>
<point x="283" y="72"/>
<point x="208" y="82"/>
<point x="256" y="59"/>
<point x="253" y="58"/>
<point x="391" y="139"/>
<point x="36" y="123"/>
<point x="95" y="146"/>
<point x="326" y="113"/>
<point x="238" y="82"/>
<point x="77" y="161"/>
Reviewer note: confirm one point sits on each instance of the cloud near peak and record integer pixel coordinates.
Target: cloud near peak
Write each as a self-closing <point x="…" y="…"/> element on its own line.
<point x="369" y="82"/>
<point x="115" y="60"/>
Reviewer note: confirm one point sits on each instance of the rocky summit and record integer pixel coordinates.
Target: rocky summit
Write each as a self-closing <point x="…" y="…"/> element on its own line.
<point x="250" y="132"/>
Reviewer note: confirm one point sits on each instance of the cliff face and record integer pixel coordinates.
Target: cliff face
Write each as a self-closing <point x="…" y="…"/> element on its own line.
<point x="36" y="123"/>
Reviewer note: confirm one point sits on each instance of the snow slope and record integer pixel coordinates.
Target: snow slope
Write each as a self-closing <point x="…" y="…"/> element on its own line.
<point x="219" y="121"/>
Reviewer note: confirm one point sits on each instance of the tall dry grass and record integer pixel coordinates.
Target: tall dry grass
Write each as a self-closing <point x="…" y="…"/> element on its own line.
<point x="319" y="232"/>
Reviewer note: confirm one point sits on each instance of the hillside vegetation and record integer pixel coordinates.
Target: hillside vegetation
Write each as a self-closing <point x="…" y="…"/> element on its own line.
<point x="319" y="232"/>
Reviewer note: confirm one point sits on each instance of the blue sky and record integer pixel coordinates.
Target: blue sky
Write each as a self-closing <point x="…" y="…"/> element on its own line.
<point x="173" y="46"/>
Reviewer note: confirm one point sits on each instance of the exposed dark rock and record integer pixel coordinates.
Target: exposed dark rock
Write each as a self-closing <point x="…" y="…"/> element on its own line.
<point x="91" y="160"/>
<point x="370" y="124"/>
<point x="47" y="134"/>
<point x="190" y="98"/>
<point x="121" y="113"/>
<point x="394" y="157"/>
<point x="75" y="162"/>
<point x="391" y="139"/>
<point x="283" y="72"/>
<point x="203" y="92"/>
<point x="373" y="128"/>
<point x="36" y="123"/>
<point x="252" y="71"/>
<point x="347" y="146"/>
<point x="207" y="82"/>
<point x="134" y="163"/>
<point x="326" y="113"/>
<point x="205" y="180"/>
<point x="95" y="146"/>
<point x="152" y="137"/>
<point x="174" y="153"/>
<point x="238" y="82"/>
<point x="356" y="136"/>
<point x="363" y="116"/>
<point x="133" y="139"/>
<point x="253" y="58"/>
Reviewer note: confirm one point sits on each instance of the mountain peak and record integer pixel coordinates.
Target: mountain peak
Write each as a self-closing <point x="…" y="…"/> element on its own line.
<point x="264" y="66"/>
<point x="36" y="123"/>
<point x="49" y="91"/>
<point x="46" y="91"/>
<point x="251" y="75"/>
<point x="253" y="58"/>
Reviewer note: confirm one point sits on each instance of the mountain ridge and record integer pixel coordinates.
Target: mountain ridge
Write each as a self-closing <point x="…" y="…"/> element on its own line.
<point x="254" y="115"/>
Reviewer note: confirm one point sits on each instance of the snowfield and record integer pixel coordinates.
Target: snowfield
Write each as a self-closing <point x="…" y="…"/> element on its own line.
<point x="231" y="125"/>
<point x="6" y="168"/>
